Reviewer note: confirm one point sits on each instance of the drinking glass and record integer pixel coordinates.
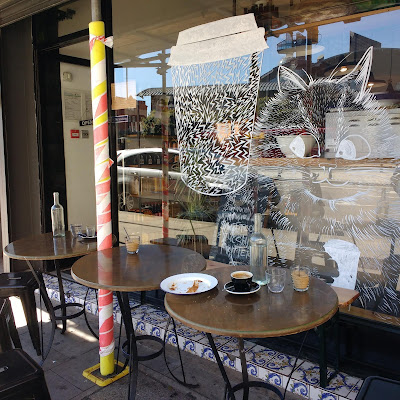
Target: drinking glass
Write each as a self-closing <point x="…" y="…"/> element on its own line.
<point x="132" y="243"/>
<point x="90" y="230"/>
<point x="276" y="278"/>
<point x="300" y="278"/>
<point x="75" y="229"/>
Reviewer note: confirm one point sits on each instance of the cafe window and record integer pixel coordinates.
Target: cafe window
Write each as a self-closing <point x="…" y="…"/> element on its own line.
<point x="325" y="145"/>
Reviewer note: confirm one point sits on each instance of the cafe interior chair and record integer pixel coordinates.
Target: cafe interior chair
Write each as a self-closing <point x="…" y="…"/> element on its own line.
<point x="21" y="377"/>
<point x="8" y="331"/>
<point x="23" y="285"/>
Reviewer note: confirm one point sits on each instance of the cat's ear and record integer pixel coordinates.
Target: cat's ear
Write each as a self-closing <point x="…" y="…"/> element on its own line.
<point x="360" y="73"/>
<point x="289" y="80"/>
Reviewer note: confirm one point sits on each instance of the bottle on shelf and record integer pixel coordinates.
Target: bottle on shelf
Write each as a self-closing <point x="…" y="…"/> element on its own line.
<point x="258" y="252"/>
<point x="57" y="217"/>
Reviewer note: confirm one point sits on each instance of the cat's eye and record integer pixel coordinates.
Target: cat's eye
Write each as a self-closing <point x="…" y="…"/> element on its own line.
<point x="304" y="145"/>
<point x="353" y="147"/>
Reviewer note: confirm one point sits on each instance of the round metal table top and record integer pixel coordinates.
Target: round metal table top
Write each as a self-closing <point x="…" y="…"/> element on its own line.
<point x="116" y="270"/>
<point x="46" y="247"/>
<point x="262" y="314"/>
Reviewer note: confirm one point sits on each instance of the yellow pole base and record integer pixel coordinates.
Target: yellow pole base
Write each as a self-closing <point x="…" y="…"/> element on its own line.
<point x="95" y="376"/>
<point x="107" y="364"/>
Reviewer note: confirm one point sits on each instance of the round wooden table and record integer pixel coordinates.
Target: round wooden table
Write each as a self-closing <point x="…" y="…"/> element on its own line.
<point x="123" y="272"/>
<point x="116" y="270"/>
<point x="259" y="315"/>
<point x="45" y="247"/>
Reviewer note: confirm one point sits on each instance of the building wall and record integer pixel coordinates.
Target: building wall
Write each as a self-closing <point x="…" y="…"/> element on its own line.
<point x="20" y="134"/>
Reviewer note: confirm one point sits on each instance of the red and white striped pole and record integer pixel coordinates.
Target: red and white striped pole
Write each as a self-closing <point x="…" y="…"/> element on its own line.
<point x="103" y="196"/>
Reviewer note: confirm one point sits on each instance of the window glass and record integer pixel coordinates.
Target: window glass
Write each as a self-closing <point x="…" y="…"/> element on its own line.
<point x="324" y="149"/>
<point x="74" y="16"/>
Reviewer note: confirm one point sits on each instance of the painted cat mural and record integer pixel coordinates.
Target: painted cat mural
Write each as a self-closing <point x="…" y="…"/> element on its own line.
<point x="332" y="151"/>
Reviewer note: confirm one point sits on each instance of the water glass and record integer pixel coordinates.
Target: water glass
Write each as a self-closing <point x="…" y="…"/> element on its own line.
<point x="276" y="278"/>
<point x="132" y="243"/>
<point x="75" y="229"/>
<point x="90" y="230"/>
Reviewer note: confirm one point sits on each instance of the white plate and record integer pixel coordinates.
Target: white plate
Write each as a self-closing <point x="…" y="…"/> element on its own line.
<point x="181" y="283"/>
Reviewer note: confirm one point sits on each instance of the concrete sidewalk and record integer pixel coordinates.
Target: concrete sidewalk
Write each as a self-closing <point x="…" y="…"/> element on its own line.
<point x="77" y="350"/>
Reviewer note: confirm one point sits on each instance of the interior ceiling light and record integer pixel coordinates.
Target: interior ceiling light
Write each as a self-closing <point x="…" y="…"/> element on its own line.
<point x="343" y="69"/>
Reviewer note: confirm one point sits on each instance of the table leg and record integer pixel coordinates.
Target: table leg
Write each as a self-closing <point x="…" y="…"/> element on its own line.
<point x="62" y="297"/>
<point x="231" y="394"/>
<point x="123" y="301"/>
<point x="49" y="307"/>
<point x="245" y="374"/>
<point x="323" y="367"/>
<point x="182" y="382"/>
<point x="245" y="384"/>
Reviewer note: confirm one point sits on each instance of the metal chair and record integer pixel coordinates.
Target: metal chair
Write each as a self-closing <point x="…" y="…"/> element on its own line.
<point x="23" y="285"/>
<point x="21" y="377"/>
<point x="8" y="331"/>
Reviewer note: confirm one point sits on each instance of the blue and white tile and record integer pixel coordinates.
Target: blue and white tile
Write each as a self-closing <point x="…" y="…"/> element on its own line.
<point x="309" y="373"/>
<point x="155" y="320"/>
<point x="354" y="392"/>
<point x="230" y="360"/>
<point x="283" y="364"/>
<point x="297" y="387"/>
<point x="207" y="353"/>
<point x="157" y="332"/>
<point x="316" y="393"/>
<point x="218" y="340"/>
<point x="140" y="328"/>
<point x="259" y="355"/>
<point x="171" y="338"/>
<point x="342" y="384"/>
<point x="190" y="333"/>
<point x="270" y="377"/>
<point x="232" y="347"/>
<point x="139" y="312"/>
<point x="187" y="344"/>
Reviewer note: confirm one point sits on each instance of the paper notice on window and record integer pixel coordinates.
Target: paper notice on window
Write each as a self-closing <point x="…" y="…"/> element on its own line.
<point x="72" y="106"/>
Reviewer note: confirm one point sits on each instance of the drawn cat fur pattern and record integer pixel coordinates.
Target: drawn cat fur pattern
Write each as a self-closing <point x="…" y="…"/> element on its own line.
<point x="355" y="203"/>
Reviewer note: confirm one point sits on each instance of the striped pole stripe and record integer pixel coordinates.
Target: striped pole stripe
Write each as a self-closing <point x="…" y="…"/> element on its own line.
<point x="103" y="196"/>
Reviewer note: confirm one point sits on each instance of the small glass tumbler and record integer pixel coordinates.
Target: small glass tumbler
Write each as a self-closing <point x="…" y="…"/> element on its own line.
<point x="90" y="230"/>
<point x="300" y="278"/>
<point x="132" y="243"/>
<point x="276" y="278"/>
<point x="75" y="229"/>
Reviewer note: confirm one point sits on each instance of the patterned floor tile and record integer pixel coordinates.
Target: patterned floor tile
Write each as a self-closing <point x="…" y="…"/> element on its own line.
<point x="259" y="355"/>
<point x="342" y="384"/>
<point x="309" y="373"/>
<point x="271" y="377"/>
<point x="187" y="344"/>
<point x="317" y="393"/>
<point x="218" y="340"/>
<point x="190" y="333"/>
<point x="354" y="392"/>
<point x="232" y="347"/>
<point x="282" y="364"/>
<point x="297" y="387"/>
<point x="230" y="361"/>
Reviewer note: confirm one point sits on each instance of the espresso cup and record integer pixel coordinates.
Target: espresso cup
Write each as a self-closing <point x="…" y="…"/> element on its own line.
<point x="242" y="280"/>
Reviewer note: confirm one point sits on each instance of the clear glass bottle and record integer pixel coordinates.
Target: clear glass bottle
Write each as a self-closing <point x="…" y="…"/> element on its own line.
<point x="57" y="217"/>
<point x="258" y="252"/>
